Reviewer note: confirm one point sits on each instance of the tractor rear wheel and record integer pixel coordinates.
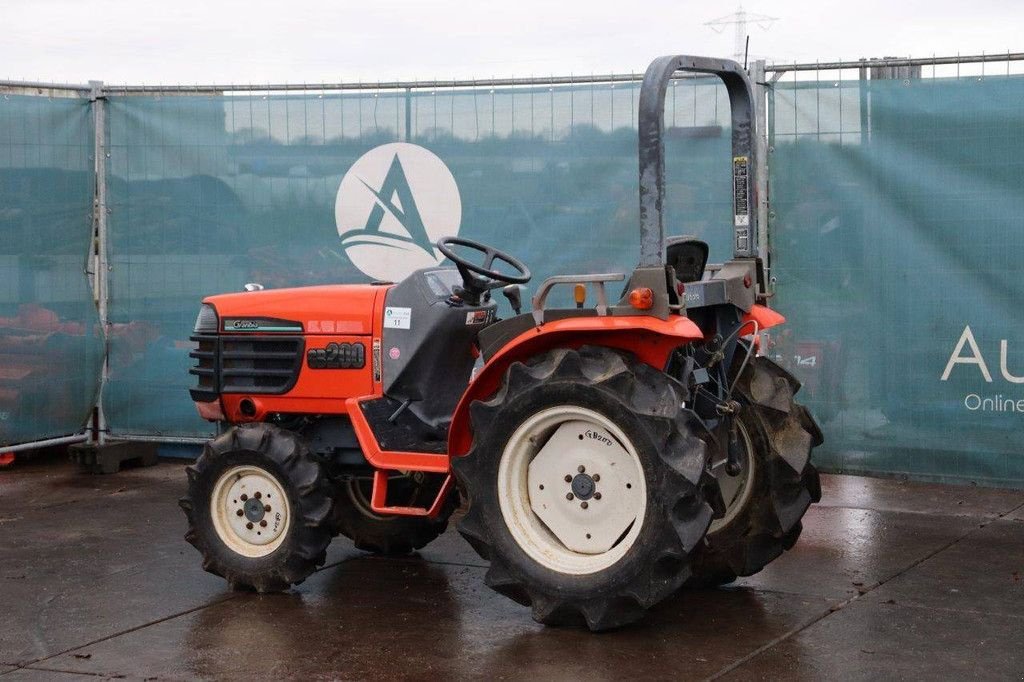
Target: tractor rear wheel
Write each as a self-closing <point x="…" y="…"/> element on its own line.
<point x="392" y="535"/>
<point x="777" y="483"/>
<point x="259" y="508"/>
<point x="587" y="485"/>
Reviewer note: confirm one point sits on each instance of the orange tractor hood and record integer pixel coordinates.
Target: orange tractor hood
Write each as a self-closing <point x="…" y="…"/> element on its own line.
<point x="329" y="309"/>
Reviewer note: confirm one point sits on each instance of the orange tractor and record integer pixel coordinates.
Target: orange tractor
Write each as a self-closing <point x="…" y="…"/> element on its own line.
<point x="607" y="454"/>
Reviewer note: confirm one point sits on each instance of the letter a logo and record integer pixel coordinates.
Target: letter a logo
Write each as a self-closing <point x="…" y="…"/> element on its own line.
<point x="392" y="205"/>
<point x="975" y="357"/>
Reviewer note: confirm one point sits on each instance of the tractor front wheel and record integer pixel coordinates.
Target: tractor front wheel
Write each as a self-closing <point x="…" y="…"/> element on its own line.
<point x="259" y="508"/>
<point x="586" y="483"/>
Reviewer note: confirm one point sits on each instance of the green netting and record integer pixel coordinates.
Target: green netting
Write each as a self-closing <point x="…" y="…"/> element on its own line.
<point x="897" y="225"/>
<point x="50" y="342"/>
<point x="209" y="192"/>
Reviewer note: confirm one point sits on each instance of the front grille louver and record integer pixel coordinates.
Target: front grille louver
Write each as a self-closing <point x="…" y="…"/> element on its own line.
<point x="246" y="363"/>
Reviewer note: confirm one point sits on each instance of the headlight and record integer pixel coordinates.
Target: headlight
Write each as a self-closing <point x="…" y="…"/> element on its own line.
<point x="206" y="321"/>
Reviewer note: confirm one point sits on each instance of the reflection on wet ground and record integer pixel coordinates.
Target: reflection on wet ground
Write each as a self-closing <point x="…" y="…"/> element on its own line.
<point x="889" y="580"/>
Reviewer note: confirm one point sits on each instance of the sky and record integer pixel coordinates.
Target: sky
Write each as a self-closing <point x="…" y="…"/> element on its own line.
<point x="314" y="41"/>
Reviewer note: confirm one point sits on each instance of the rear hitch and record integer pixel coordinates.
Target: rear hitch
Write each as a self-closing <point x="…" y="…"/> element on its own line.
<point x="714" y="350"/>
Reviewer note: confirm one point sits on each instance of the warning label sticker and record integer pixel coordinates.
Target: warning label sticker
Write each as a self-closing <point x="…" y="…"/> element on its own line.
<point x="741" y="200"/>
<point x="397" y="318"/>
<point x="740" y="192"/>
<point x="477" y="317"/>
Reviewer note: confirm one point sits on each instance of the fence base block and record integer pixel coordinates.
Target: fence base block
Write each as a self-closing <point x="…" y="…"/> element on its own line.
<point x="112" y="455"/>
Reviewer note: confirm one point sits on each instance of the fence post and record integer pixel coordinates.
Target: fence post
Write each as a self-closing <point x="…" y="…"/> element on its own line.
<point x="761" y="164"/>
<point x="98" y="99"/>
<point x="865" y="107"/>
<point x="408" y="114"/>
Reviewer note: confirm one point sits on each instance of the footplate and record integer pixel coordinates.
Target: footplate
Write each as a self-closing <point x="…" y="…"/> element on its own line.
<point x="379" y="499"/>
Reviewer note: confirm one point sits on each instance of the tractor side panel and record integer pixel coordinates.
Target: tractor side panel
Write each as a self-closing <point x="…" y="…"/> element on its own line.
<point x="651" y="340"/>
<point x="332" y="368"/>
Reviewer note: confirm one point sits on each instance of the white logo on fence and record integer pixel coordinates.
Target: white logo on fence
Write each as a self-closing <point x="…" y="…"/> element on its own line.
<point x="968" y="352"/>
<point x="393" y="204"/>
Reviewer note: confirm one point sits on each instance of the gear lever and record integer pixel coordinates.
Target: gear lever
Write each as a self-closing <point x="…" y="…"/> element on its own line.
<point x="514" y="294"/>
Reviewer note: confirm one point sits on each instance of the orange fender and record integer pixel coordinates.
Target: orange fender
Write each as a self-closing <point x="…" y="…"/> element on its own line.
<point x="651" y="339"/>
<point x="764" y="316"/>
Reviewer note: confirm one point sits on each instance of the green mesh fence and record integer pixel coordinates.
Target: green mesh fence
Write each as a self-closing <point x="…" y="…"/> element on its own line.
<point x="210" y="192"/>
<point x="895" y="227"/>
<point x="897" y="231"/>
<point x="50" y="343"/>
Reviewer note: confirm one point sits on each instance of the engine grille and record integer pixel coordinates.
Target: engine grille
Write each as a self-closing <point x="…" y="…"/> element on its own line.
<point x="245" y="364"/>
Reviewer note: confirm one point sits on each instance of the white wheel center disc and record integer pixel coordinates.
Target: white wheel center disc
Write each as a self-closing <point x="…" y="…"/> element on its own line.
<point x="572" y="490"/>
<point x="250" y="511"/>
<point x="582" y="487"/>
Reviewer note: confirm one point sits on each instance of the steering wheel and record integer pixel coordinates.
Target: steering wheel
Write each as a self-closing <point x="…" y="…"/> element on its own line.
<point x="479" y="279"/>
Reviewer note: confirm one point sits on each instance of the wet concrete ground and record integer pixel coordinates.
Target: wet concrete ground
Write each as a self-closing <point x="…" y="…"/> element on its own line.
<point x="890" y="580"/>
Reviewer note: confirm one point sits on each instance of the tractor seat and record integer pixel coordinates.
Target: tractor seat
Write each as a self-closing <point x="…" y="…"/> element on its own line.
<point x="688" y="256"/>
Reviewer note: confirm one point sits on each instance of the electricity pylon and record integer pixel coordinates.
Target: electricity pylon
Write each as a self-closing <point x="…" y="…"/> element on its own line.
<point x="740" y="18"/>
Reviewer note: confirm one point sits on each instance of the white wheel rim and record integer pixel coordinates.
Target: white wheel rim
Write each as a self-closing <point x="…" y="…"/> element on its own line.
<point x="241" y="519"/>
<point x="736" y="490"/>
<point x="600" y="523"/>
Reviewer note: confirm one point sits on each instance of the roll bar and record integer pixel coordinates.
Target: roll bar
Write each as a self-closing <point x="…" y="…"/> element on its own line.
<point x="651" y="123"/>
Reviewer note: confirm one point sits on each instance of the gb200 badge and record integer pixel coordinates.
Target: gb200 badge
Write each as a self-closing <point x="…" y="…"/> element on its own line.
<point x="337" y="356"/>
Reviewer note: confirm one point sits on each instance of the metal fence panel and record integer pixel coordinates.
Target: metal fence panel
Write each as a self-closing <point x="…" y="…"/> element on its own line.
<point x="50" y="342"/>
<point x="897" y="228"/>
<point x="208" y="192"/>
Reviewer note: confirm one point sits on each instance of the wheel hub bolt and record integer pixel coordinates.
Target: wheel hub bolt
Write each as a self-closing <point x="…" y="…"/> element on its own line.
<point x="568" y="496"/>
<point x="597" y="477"/>
<point x="597" y="496"/>
<point x="266" y="507"/>
<point x="257" y="495"/>
<point x="263" y="523"/>
<point x="568" y="478"/>
<point x="239" y="512"/>
<point x="581" y="469"/>
<point x="584" y="505"/>
<point x="249" y="525"/>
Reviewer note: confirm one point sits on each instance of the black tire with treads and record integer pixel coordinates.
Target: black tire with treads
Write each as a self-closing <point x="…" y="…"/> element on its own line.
<point x="785" y="483"/>
<point x="284" y="455"/>
<point x="669" y="440"/>
<point x="392" y="535"/>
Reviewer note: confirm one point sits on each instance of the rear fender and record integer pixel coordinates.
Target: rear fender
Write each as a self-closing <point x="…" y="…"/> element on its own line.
<point x="650" y="339"/>
<point x="764" y="316"/>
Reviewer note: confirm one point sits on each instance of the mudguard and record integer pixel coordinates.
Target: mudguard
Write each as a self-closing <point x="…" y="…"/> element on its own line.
<point x="650" y="339"/>
<point x="764" y="316"/>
